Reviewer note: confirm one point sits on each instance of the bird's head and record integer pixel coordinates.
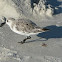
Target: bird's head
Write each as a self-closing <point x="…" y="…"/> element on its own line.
<point x="9" y="21"/>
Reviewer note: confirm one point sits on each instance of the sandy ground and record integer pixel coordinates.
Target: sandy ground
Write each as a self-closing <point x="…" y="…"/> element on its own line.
<point x="45" y="47"/>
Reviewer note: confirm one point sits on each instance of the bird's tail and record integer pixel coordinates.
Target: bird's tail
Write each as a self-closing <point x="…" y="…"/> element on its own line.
<point x="45" y="29"/>
<point x="41" y="30"/>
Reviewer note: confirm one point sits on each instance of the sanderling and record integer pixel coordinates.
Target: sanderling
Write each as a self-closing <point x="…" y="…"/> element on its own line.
<point x="24" y="27"/>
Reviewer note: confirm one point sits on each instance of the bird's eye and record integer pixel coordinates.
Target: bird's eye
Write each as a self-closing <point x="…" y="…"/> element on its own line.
<point x="26" y="24"/>
<point x="7" y="20"/>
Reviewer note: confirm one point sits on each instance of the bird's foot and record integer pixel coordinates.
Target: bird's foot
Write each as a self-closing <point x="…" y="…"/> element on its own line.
<point x="22" y="42"/>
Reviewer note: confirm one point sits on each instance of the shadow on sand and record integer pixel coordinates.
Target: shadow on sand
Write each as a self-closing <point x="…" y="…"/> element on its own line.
<point x="55" y="32"/>
<point x="34" y="1"/>
<point x="53" y="3"/>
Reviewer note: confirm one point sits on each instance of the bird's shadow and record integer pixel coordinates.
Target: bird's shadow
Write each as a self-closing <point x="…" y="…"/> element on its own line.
<point x="54" y="32"/>
<point x="53" y="3"/>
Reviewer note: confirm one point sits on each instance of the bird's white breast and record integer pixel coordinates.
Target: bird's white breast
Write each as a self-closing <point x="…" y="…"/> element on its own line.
<point x="21" y="32"/>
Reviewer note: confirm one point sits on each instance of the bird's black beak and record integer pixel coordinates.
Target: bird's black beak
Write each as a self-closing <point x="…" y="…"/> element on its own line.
<point x="2" y="24"/>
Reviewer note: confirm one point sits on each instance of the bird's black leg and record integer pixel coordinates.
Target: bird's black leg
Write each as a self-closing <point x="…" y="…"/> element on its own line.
<point x="28" y="37"/>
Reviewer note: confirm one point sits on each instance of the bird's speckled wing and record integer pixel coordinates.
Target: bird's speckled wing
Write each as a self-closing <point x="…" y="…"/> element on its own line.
<point x="25" y="25"/>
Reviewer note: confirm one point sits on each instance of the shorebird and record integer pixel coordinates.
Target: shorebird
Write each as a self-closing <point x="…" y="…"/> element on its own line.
<point x="23" y="27"/>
